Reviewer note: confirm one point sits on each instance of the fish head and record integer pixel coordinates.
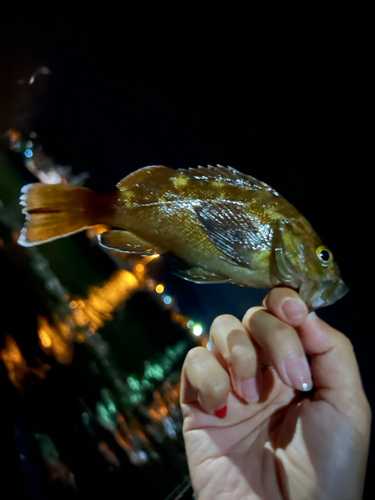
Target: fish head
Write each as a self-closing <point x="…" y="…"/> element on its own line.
<point x="302" y="262"/>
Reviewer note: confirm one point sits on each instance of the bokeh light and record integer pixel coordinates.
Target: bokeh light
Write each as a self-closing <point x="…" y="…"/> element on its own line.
<point x="197" y="330"/>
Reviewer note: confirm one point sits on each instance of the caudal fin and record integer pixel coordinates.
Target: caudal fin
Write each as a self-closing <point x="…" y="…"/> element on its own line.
<point x="56" y="210"/>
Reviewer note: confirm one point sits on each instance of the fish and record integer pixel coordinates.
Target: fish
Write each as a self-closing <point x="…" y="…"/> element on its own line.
<point x="223" y="225"/>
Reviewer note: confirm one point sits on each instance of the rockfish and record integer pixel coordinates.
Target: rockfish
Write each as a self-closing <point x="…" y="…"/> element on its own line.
<point x="224" y="226"/>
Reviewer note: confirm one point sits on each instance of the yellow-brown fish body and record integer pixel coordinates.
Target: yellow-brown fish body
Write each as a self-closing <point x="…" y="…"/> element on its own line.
<point x="224" y="225"/>
<point x="172" y="209"/>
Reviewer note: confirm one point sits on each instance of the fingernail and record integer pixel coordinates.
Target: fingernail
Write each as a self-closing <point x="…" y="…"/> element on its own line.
<point x="221" y="412"/>
<point x="249" y="390"/>
<point x="293" y="308"/>
<point x="298" y="371"/>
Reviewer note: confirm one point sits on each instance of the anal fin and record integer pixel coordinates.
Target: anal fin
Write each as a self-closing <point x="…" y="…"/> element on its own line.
<point x="125" y="241"/>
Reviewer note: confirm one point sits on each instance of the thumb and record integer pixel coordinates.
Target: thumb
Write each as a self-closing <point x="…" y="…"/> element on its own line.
<point x="334" y="368"/>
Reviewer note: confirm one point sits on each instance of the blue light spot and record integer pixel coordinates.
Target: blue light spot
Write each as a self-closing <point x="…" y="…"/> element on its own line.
<point x="167" y="299"/>
<point x="28" y="153"/>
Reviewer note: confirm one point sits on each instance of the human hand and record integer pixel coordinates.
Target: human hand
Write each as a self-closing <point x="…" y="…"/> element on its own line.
<point x="274" y="441"/>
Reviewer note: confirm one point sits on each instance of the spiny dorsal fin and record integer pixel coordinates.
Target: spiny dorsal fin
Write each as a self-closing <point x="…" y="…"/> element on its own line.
<point x="159" y="173"/>
<point x="226" y="174"/>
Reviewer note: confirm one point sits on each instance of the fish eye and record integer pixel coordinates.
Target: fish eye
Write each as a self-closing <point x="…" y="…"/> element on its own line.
<point x="324" y="255"/>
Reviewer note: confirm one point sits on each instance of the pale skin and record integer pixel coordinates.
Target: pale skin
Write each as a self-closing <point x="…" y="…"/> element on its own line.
<point x="278" y="439"/>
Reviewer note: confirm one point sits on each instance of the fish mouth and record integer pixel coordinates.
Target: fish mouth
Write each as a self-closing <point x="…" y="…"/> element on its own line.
<point x="327" y="293"/>
<point x="335" y="292"/>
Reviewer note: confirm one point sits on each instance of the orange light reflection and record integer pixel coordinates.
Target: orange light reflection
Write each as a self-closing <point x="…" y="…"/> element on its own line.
<point x="101" y="302"/>
<point x="56" y="341"/>
<point x="16" y="364"/>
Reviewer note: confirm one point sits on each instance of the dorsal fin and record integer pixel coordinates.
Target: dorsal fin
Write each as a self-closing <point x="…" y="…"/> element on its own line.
<point x="228" y="175"/>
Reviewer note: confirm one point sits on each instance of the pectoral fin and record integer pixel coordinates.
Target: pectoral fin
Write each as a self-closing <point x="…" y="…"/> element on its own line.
<point x="199" y="275"/>
<point x="125" y="241"/>
<point x="233" y="232"/>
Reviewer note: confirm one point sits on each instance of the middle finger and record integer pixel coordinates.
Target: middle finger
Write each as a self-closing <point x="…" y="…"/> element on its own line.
<point x="233" y="348"/>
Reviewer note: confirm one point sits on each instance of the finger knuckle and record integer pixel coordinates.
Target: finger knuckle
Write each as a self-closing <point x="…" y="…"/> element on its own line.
<point x="368" y="411"/>
<point x="218" y="389"/>
<point x="240" y="353"/>
<point x="221" y="322"/>
<point x="195" y="354"/>
<point x="282" y="330"/>
<point x="344" y="342"/>
<point x="348" y="343"/>
<point x="250" y="314"/>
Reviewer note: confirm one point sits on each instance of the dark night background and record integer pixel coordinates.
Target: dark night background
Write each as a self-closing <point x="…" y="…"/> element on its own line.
<point x="288" y="102"/>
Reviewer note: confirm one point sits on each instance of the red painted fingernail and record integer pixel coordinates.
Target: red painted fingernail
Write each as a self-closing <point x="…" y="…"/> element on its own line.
<point x="221" y="412"/>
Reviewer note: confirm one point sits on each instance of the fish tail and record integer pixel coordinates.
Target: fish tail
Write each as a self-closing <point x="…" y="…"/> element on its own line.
<point x="57" y="210"/>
